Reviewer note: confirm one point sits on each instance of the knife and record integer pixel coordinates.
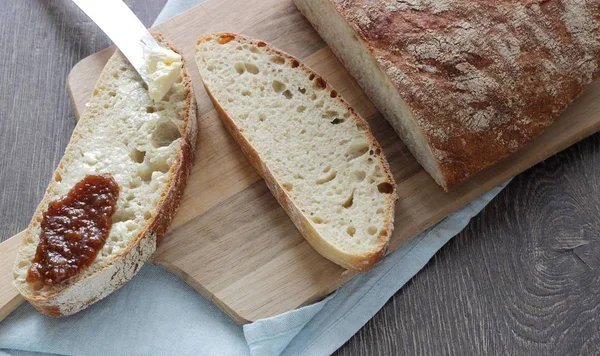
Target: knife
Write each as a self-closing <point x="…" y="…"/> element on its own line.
<point x="121" y="25"/>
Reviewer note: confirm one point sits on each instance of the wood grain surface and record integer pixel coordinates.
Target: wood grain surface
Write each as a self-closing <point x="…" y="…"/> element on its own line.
<point x="521" y="280"/>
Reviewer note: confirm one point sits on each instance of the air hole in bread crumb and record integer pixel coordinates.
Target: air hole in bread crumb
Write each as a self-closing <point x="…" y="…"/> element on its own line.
<point x="380" y="211"/>
<point x="137" y="156"/>
<point x="253" y="49"/>
<point x="135" y="183"/>
<point x="277" y="59"/>
<point x="301" y="108"/>
<point x="145" y="171"/>
<point x="328" y="178"/>
<point x="320" y="83"/>
<point x="230" y="99"/>
<point x="378" y="172"/>
<point x="262" y="117"/>
<point x="23" y="264"/>
<point x="116" y="75"/>
<point x="385" y="188"/>
<point x="302" y="132"/>
<point x="112" y="93"/>
<point x="58" y="177"/>
<point x="278" y="86"/>
<point x="123" y="68"/>
<point x="145" y="86"/>
<point x="348" y="202"/>
<point x="122" y="215"/>
<point x="317" y="220"/>
<point x="288" y="95"/>
<point x="320" y="103"/>
<point x="358" y="149"/>
<point x="326" y="169"/>
<point x="165" y="133"/>
<point x="302" y="90"/>
<point x="351" y="230"/>
<point x="251" y="68"/>
<point x="150" y="109"/>
<point x="246" y="92"/>
<point x="377" y="151"/>
<point x="225" y="38"/>
<point x="337" y="121"/>
<point x="129" y="197"/>
<point x="147" y="215"/>
<point x="311" y="77"/>
<point x="330" y="113"/>
<point x="288" y="186"/>
<point x="372" y="230"/>
<point x="294" y="63"/>
<point x="239" y="67"/>
<point x="359" y="176"/>
<point x="333" y="94"/>
<point x="210" y="68"/>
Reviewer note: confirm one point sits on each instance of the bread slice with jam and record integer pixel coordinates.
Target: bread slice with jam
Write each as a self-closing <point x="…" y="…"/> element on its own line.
<point x="113" y="195"/>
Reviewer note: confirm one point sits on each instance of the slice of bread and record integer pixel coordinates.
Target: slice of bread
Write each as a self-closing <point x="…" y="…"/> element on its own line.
<point x="147" y="147"/>
<point x="317" y="156"/>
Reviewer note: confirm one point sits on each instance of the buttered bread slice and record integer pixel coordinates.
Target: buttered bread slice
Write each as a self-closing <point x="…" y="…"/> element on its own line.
<point x="317" y="156"/>
<point x="113" y="195"/>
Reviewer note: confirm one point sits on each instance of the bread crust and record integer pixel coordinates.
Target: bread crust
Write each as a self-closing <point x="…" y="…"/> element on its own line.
<point x="482" y="79"/>
<point x="86" y="288"/>
<point x="359" y="263"/>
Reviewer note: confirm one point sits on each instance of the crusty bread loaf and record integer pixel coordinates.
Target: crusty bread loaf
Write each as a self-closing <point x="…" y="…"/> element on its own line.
<point x="317" y="156"/>
<point x="464" y="83"/>
<point x="147" y="147"/>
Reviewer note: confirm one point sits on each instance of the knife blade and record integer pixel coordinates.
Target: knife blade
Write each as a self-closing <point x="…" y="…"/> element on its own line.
<point x="124" y="28"/>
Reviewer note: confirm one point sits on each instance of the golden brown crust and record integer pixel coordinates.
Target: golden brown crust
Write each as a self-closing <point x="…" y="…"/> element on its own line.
<point x="140" y="249"/>
<point x="360" y="263"/>
<point x="481" y="78"/>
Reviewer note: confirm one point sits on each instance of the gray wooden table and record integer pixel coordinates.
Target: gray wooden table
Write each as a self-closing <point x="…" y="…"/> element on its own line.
<point x="522" y="279"/>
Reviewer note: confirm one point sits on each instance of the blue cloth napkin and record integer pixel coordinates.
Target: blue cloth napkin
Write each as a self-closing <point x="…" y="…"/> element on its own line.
<point x="158" y="314"/>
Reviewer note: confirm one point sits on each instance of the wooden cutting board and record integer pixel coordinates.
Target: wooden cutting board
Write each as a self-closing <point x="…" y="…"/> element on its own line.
<point x="231" y="241"/>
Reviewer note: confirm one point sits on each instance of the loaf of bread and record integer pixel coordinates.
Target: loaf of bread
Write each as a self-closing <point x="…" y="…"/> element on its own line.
<point x="144" y="147"/>
<point x="317" y="156"/>
<point x="464" y="83"/>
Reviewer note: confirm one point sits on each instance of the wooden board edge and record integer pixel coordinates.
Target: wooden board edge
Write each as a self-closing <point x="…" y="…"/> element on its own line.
<point x="240" y="319"/>
<point x="10" y="298"/>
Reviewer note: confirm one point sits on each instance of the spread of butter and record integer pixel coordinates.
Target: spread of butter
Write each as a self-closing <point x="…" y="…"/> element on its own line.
<point x="163" y="69"/>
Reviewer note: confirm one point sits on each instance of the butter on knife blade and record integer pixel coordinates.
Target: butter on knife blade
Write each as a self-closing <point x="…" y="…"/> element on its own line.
<point x="159" y="67"/>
